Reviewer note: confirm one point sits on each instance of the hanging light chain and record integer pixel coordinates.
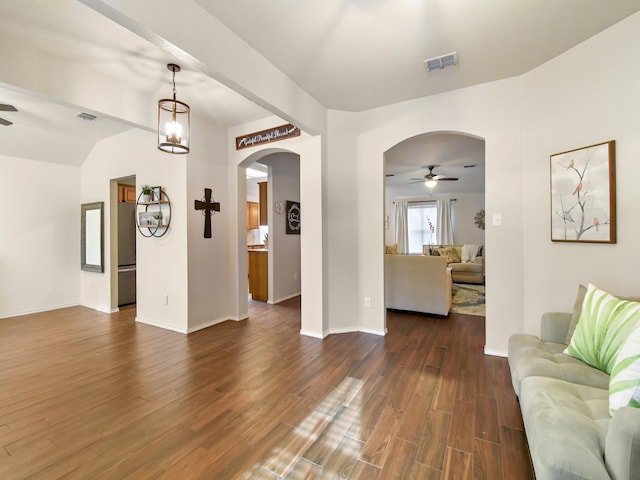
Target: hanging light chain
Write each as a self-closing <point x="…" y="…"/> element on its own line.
<point x="174" y="82"/>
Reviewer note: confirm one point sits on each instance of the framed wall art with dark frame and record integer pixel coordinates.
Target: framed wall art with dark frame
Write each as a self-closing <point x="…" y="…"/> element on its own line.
<point x="293" y="218"/>
<point x="583" y="194"/>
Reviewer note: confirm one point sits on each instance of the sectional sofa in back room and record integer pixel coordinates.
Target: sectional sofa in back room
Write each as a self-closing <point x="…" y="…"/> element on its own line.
<point x="579" y="389"/>
<point x="465" y="261"/>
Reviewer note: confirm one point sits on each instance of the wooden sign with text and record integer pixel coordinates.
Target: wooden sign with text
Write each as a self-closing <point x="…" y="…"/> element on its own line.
<point x="267" y="136"/>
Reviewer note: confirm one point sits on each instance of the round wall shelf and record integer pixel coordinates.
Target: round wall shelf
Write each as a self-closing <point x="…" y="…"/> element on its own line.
<point x="153" y="217"/>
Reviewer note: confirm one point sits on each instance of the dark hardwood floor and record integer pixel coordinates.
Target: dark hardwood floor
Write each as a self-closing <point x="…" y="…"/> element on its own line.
<point x="85" y="395"/>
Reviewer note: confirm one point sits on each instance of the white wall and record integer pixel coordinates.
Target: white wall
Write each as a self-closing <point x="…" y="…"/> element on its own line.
<point x="463" y="212"/>
<point x="574" y="101"/>
<point x="342" y="241"/>
<point x="161" y="262"/>
<point x="208" y="288"/>
<point x="253" y="191"/>
<point x="284" y="250"/>
<point x="40" y="246"/>
<point x="255" y="236"/>
<point x="490" y="111"/>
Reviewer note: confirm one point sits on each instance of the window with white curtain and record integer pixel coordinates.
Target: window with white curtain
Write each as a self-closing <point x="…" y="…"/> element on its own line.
<point x="422" y="218"/>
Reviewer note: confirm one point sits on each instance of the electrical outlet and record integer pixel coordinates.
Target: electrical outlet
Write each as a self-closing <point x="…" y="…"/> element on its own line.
<point x="367" y="302"/>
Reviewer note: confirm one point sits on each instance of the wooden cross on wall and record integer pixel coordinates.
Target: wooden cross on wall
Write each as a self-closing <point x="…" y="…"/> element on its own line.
<point x="208" y="208"/>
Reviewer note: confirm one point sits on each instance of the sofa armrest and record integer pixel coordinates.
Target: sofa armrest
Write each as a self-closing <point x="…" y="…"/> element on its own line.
<point x="479" y="260"/>
<point x="622" y="446"/>
<point x="554" y="326"/>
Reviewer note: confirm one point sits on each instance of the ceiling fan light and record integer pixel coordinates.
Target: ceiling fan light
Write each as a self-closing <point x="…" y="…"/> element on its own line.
<point x="431" y="183"/>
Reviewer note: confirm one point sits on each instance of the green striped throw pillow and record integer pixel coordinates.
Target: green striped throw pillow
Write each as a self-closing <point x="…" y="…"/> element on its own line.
<point x="605" y="324"/>
<point x="624" y="384"/>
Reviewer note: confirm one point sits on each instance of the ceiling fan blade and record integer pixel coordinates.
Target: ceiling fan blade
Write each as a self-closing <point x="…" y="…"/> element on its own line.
<point x="7" y="108"/>
<point x="416" y="181"/>
<point x="4" y="122"/>
<point x="446" y="179"/>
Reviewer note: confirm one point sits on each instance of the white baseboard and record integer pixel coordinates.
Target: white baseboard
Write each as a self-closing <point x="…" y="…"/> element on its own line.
<point x="282" y="299"/>
<point x="39" y="310"/>
<point x="204" y="325"/>
<point x="381" y="333"/>
<point x="337" y="331"/>
<point x="161" y="325"/>
<point x="100" y="308"/>
<point x="495" y="353"/>
<point x="308" y="333"/>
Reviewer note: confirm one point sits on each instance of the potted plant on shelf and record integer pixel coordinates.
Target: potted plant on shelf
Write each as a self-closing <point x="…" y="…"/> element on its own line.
<point x="147" y="195"/>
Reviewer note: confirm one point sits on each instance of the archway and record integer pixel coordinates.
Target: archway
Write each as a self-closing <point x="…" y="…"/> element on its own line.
<point x="308" y="151"/>
<point x="452" y="155"/>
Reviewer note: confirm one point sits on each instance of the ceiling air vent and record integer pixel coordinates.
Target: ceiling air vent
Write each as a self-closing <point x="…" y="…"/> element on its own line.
<point x="442" y="62"/>
<point x="86" y="116"/>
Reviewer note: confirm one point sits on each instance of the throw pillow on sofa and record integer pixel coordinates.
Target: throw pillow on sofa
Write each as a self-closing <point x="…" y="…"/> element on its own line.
<point x="451" y="253"/>
<point x="469" y="253"/>
<point x="575" y="315"/>
<point x="577" y="310"/>
<point x="605" y="324"/>
<point x="624" y="384"/>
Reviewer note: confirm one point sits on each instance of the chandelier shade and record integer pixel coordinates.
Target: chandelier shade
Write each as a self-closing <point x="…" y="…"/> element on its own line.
<point x="174" y="121"/>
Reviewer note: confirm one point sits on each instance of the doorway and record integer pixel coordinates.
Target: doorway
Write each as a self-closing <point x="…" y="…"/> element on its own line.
<point x="273" y="181"/>
<point x="125" y="226"/>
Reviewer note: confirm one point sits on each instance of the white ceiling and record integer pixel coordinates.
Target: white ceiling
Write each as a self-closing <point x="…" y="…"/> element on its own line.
<point x="348" y="54"/>
<point x="74" y="31"/>
<point x="360" y="54"/>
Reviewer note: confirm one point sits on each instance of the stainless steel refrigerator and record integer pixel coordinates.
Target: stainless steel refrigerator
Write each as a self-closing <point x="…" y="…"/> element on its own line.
<point x="126" y="253"/>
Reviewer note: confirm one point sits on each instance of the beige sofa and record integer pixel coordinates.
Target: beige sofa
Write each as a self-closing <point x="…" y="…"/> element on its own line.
<point x="417" y="283"/>
<point x="461" y="272"/>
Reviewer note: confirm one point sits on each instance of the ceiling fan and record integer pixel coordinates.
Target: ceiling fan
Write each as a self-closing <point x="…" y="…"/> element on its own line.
<point x="6" y="108"/>
<point x="431" y="179"/>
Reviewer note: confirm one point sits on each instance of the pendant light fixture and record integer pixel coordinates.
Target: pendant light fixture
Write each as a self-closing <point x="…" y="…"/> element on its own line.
<point x="173" y="121"/>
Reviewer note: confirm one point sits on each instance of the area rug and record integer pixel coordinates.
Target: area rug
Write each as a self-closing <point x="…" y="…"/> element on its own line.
<point x="468" y="299"/>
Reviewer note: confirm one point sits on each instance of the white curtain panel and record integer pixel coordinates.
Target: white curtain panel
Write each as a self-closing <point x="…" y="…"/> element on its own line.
<point x="444" y="230"/>
<point x="402" y="233"/>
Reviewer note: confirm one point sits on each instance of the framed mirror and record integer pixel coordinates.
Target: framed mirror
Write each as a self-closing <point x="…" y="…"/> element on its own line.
<point x="92" y="237"/>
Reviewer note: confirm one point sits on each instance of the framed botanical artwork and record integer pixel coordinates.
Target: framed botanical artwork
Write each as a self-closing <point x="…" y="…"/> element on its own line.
<point x="293" y="218"/>
<point x="583" y="194"/>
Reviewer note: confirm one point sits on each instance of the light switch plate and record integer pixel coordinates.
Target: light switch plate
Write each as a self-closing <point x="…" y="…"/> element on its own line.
<point x="497" y="219"/>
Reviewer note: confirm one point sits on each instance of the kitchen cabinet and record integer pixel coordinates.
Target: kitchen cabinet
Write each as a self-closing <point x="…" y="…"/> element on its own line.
<point x="253" y="214"/>
<point x="262" y="187"/>
<point x="258" y="276"/>
<point x="126" y="193"/>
